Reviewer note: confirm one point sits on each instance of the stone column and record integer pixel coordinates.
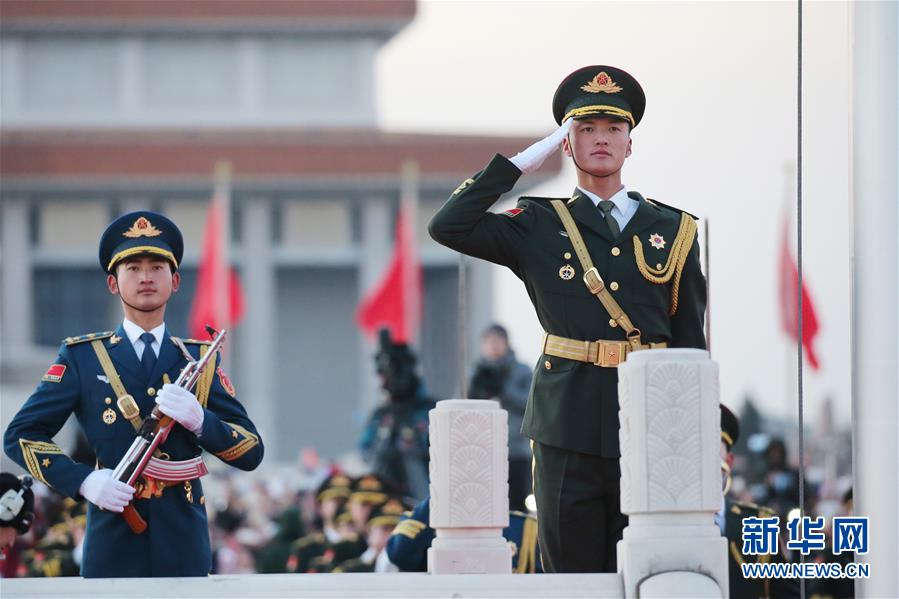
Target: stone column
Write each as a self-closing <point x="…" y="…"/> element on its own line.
<point x="670" y="467"/>
<point x="18" y="283"/>
<point x="469" y="488"/>
<point x="258" y="357"/>
<point x="875" y="293"/>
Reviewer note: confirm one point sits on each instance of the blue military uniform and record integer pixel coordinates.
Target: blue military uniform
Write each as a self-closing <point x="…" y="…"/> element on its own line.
<point x="87" y="379"/>
<point x="409" y="543"/>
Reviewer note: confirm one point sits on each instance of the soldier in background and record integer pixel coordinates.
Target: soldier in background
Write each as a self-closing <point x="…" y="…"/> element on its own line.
<point x="330" y="503"/>
<point x="380" y="525"/>
<point x="500" y="376"/>
<point x="395" y="440"/>
<point x="408" y="545"/>
<point x="730" y="519"/>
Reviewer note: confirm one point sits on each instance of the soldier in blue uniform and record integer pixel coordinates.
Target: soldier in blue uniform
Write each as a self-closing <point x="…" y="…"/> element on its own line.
<point x="111" y="381"/>
<point x="409" y="543"/>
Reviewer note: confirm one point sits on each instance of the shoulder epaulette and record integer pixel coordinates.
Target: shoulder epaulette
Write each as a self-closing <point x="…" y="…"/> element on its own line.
<point x="749" y="506"/>
<point x="194" y="341"/>
<point x="672" y="208"/>
<point x="541" y="199"/>
<point x="88" y="337"/>
<point x="313" y="539"/>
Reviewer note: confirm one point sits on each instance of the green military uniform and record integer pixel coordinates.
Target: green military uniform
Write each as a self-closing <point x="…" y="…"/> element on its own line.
<point x="273" y="558"/>
<point x="387" y="515"/>
<point x="734" y="513"/>
<point x="651" y="268"/>
<point x="751" y="588"/>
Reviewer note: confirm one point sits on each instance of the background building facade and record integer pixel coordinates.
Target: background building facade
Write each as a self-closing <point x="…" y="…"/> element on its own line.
<point x="110" y="107"/>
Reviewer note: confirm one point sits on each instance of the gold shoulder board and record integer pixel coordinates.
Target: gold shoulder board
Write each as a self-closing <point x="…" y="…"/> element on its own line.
<point x="88" y="337"/>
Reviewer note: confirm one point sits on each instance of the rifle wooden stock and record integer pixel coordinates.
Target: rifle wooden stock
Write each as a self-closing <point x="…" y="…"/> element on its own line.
<point x="133" y="519"/>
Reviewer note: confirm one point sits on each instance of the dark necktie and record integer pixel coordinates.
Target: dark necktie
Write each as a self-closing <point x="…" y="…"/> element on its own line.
<point x="148" y="359"/>
<point x="605" y="206"/>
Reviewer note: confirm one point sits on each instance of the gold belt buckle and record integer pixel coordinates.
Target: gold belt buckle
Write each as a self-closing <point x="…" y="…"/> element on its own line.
<point x="593" y="281"/>
<point x="609" y="355"/>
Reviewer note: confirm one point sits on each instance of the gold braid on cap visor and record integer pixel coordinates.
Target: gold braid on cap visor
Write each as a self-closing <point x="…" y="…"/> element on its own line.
<point x="142" y="249"/>
<point x="597" y="109"/>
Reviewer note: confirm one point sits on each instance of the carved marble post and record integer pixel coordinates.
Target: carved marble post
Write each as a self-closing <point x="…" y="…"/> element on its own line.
<point x="670" y="468"/>
<point x="469" y="488"/>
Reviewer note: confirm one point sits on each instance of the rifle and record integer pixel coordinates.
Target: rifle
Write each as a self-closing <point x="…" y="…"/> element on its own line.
<point x="156" y="428"/>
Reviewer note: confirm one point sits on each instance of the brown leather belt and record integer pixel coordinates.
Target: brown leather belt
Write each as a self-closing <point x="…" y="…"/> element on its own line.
<point x="607" y="354"/>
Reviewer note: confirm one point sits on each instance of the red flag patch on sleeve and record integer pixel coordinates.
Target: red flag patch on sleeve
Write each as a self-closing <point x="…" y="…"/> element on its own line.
<point x="226" y="382"/>
<point x="54" y="373"/>
<point x="513" y="212"/>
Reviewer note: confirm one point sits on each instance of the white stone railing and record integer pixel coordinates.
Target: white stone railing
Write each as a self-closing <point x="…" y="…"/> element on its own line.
<point x="670" y="487"/>
<point x="670" y="473"/>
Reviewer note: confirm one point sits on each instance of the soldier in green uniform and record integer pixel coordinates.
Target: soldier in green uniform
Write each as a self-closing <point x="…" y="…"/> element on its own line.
<point x="730" y="519"/>
<point x="381" y="522"/>
<point x="608" y="273"/>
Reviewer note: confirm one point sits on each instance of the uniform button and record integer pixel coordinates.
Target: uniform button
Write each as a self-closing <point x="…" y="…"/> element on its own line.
<point x="567" y="255"/>
<point x="108" y="400"/>
<point x="613" y="323"/>
<point x="151" y="391"/>
<point x="548" y="365"/>
<point x="616" y="251"/>
<point x="613" y="285"/>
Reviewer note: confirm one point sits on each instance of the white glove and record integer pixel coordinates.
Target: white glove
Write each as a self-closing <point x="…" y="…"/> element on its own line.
<point x="181" y="405"/>
<point x="529" y="160"/>
<point x="101" y="489"/>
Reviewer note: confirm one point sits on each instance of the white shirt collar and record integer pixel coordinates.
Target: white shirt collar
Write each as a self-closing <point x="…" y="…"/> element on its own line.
<point x="620" y="198"/>
<point x="134" y="332"/>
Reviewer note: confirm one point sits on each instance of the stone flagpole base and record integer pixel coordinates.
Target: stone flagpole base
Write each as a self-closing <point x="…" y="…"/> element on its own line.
<point x="469" y="488"/>
<point x="671" y="474"/>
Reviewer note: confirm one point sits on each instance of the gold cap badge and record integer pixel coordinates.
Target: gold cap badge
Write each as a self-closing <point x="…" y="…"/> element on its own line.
<point x="602" y="83"/>
<point x="142" y="228"/>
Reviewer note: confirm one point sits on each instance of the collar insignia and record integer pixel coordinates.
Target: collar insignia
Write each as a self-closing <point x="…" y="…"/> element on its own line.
<point x="602" y="83"/>
<point x="142" y="228"/>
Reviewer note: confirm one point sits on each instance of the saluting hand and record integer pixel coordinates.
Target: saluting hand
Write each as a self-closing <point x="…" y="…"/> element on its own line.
<point x="104" y="491"/>
<point x="182" y="406"/>
<point x="530" y="159"/>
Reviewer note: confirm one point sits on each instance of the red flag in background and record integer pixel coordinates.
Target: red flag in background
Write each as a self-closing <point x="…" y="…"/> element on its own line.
<point x="789" y="289"/>
<point x="218" y="300"/>
<point x="395" y="302"/>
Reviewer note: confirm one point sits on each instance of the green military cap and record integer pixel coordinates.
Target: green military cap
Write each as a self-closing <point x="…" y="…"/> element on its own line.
<point x="142" y="233"/>
<point x="730" y="427"/>
<point x="336" y="486"/>
<point x="388" y="513"/>
<point x="599" y="91"/>
<point x="369" y="489"/>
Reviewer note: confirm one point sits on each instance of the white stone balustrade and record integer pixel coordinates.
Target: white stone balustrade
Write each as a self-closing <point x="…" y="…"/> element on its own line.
<point x="670" y="469"/>
<point x="469" y="488"/>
